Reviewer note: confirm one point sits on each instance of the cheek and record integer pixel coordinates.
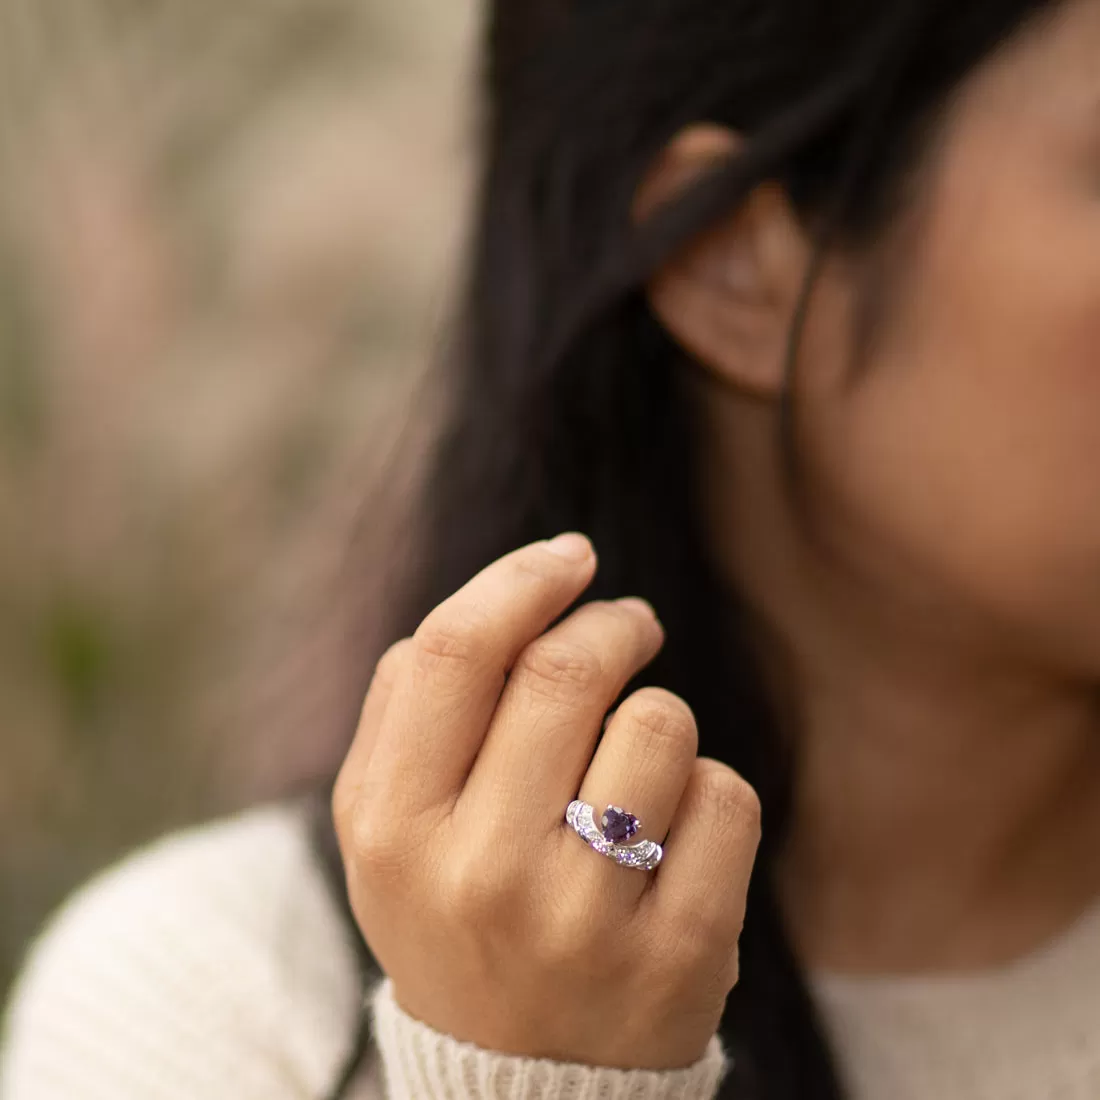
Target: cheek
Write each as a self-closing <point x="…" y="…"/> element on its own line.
<point x="967" y="459"/>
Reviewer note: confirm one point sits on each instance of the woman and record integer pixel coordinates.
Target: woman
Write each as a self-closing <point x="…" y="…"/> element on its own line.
<point x="793" y="309"/>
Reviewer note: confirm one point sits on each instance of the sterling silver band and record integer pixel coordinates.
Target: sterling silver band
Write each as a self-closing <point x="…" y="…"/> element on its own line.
<point x="645" y="855"/>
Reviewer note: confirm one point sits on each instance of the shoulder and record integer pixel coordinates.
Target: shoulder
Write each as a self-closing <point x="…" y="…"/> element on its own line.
<point x="209" y="962"/>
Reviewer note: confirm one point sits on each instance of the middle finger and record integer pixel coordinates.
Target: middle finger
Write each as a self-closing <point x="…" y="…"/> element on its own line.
<point x="546" y="725"/>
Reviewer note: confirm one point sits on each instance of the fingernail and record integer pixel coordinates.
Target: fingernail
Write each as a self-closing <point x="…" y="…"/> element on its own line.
<point x="641" y="605"/>
<point x="572" y="547"/>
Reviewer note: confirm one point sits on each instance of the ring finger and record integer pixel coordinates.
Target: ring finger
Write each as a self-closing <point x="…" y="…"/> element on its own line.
<point x="641" y="767"/>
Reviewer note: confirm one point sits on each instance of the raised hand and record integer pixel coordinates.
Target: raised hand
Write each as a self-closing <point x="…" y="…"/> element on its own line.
<point x="495" y="921"/>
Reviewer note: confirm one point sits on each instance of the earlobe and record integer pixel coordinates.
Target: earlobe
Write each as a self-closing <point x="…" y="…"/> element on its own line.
<point x="728" y="297"/>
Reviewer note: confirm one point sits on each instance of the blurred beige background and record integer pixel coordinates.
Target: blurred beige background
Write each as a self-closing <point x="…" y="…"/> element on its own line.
<point x="227" y="240"/>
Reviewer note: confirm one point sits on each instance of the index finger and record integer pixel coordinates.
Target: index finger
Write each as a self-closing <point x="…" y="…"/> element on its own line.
<point x="450" y="684"/>
<point x="353" y="771"/>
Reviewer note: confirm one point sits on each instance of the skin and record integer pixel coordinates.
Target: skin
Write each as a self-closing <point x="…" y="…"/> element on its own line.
<point x="939" y="635"/>
<point x="475" y="734"/>
<point x="931" y="616"/>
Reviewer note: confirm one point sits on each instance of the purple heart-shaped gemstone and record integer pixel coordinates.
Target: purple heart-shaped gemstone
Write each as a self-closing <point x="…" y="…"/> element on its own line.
<point x="618" y="825"/>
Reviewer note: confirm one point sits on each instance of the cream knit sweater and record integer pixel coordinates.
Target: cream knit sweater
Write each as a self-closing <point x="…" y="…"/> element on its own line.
<point x="212" y="965"/>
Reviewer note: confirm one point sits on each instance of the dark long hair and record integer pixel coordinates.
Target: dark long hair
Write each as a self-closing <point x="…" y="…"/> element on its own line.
<point x="566" y="409"/>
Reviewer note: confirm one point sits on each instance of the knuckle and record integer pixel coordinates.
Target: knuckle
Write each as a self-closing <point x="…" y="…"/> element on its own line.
<point x="375" y="847"/>
<point x="391" y="662"/>
<point x="342" y="804"/>
<point x="559" y="667"/>
<point x="731" y="797"/>
<point x="448" y="639"/>
<point x="349" y="804"/>
<point x="476" y="893"/>
<point x="664" y="720"/>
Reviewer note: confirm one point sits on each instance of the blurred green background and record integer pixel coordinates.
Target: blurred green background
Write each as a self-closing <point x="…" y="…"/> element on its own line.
<point x="227" y="239"/>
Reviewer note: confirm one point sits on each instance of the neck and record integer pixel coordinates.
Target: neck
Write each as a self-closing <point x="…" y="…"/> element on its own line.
<point x="947" y="803"/>
<point x="936" y="829"/>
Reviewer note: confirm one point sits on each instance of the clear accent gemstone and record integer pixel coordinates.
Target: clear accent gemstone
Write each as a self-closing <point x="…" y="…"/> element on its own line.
<point x="645" y="855"/>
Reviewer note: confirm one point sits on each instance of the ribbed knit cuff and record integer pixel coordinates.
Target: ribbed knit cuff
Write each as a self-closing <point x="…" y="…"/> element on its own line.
<point x="421" y="1063"/>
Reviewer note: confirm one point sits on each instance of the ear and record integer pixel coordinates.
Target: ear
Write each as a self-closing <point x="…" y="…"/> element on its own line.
<point x="728" y="298"/>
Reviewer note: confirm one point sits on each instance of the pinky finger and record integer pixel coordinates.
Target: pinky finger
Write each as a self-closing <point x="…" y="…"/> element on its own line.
<point x="710" y="851"/>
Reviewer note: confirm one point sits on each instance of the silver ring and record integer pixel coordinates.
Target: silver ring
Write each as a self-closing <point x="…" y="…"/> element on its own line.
<point x="617" y="823"/>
